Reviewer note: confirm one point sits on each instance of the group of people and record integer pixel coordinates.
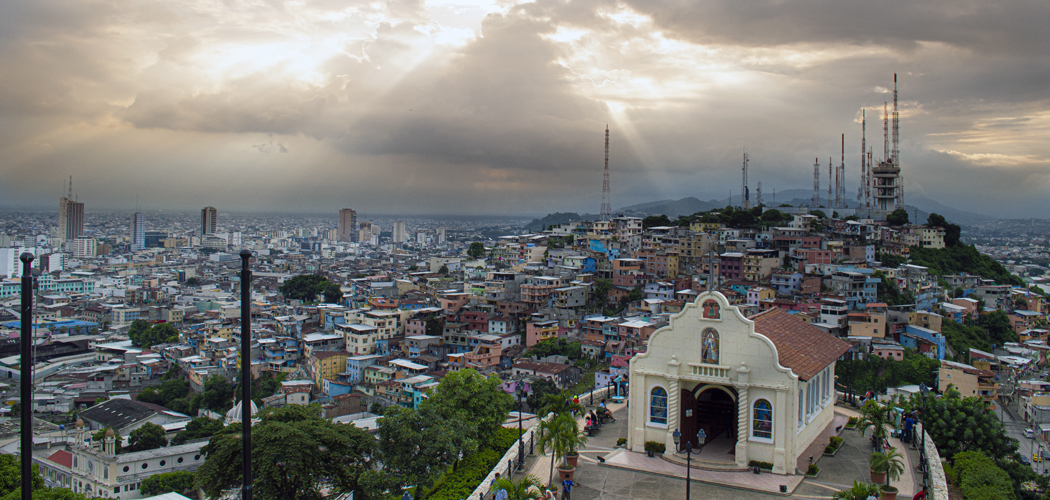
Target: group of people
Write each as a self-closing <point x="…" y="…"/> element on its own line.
<point x="546" y="493"/>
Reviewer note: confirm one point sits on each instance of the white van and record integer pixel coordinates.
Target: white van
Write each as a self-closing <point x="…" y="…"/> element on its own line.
<point x="1029" y="433"/>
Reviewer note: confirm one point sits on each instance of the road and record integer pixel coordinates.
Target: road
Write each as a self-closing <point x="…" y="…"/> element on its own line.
<point x="1015" y="429"/>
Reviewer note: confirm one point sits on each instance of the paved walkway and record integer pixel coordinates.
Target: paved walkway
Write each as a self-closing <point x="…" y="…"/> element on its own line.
<point x="628" y="475"/>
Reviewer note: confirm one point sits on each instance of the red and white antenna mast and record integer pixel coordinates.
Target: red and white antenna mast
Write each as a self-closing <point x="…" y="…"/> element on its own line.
<point x="606" y="212"/>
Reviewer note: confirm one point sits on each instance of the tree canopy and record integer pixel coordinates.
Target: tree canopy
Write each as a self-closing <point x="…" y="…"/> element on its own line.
<point x="200" y="427"/>
<point x="469" y="396"/>
<point x="655" y="220"/>
<point x="876" y="374"/>
<point x="958" y="424"/>
<point x="415" y="448"/>
<point x="217" y="395"/>
<point x="951" y="231"/>
<point x="307" y="287"/>
<point x="180" y="482"/>
<point x="144" y="335"/>
<point x="557" y="347"/>
<point x="476" y="250"/>
<point x="295" y="453"/>
<point x="147" y="437"/>
<point x="962" y="258"/>
<point x="898" y="217"/>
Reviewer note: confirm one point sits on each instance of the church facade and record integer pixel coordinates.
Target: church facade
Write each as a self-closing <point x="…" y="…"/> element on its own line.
<point x="764" y="384"/>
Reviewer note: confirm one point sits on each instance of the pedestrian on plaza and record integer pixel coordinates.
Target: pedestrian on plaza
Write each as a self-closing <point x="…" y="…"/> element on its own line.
<point x="566" y="489"/>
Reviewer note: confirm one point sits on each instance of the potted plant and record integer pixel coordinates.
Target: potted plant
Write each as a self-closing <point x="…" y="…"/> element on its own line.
<point x="621" y="441"/>
<point x="875" y="416"/>
<point x="888" y="465"/>
<point x="561" y="435"/>
<point x="654" y="447"/>
<point x="525" y="488"/>
<point x="813" y="471"/>
<point x="859" y="491"/>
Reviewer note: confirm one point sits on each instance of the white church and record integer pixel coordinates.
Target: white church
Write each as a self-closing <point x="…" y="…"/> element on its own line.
<point x="762" y="388"/>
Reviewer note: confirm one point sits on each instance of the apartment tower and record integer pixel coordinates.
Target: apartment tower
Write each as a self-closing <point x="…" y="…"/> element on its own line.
<point x="209" y="218"/>
<point x="347" y="225"/>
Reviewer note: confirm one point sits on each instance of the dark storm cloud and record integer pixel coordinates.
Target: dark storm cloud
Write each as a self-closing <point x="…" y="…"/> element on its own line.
<point x="383" y="104"/>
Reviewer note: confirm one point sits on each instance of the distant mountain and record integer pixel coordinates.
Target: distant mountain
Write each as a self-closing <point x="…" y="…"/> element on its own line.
<point x="538" y="225"/>
<point x="671" y="208"/>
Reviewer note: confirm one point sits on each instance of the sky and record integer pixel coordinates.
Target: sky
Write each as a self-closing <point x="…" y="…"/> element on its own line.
<point x="500" y="107"/>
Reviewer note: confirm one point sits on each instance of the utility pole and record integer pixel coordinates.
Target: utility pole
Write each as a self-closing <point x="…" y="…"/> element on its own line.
<point x="246" y="375"/>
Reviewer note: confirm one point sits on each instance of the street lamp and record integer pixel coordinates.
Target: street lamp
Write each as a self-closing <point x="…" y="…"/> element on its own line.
<point x="520" y="391"/>
<point x="924" y="390"/>
<point x="701" y="437"/>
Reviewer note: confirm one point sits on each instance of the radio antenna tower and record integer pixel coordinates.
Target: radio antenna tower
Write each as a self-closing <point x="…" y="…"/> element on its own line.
<point x="896" y="126"/>
<point x="862" y="191"/>
<point x="831" y="179"/>
<point x="885" y="133"/>
<point x="743" y="190"/>
<point x="606" y="212"/>
<point x="815" y="202"/>
<point x="841" y="177"/>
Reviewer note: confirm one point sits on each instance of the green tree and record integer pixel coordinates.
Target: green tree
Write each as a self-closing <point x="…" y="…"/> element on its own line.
<point x="415" y="448"/>
<point x="477" y="400"/>
<point x="217" y="395"/>
<point x="200" y="427"/>
<point x="958" y="424"/>
<point x="193" y="282"/>
<point x="147" y="437"/>
<point x="142" y="334"/>
<point x="443" y="270"/>
<point x="898" y="217"/>
<point x="951" y="231"/>
<point x="980" y="477"/>
<point x="476" y="250"/>
<point x="295" y="454"/>
<point x="181" y="482"/>
<point x="998" y="326"/>
<point x="655" y="220"/>
<point x="540" y="389"/>
<point x="819" y="213"/>
<point x="307" y="287"/>
<point x="601" y="291"/>
<point x="11" y="474"/>
<point x="890" y="260"/>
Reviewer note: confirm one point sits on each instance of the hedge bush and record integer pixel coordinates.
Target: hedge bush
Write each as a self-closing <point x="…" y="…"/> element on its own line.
<point x="760" y="465"/>
<point x="473" y="469"/>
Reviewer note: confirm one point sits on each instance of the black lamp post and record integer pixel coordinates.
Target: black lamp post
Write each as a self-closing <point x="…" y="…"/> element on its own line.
<point x="26" y="360"/>
<point x="701" y="437"/>
<point x="520" y="391"/>
<point x="246" y="376"/>
<point x="924" y="390"/>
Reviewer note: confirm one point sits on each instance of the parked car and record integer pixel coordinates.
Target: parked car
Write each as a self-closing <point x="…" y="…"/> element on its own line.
<point x="1025" y="460"/>
<point x="1029" y="433"/>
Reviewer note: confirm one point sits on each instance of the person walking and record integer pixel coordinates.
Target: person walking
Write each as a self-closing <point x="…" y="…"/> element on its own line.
<point x="566" y="489"/>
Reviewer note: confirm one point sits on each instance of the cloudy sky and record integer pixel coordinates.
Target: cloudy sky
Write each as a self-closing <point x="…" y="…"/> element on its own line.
<point x="498" y="106"/>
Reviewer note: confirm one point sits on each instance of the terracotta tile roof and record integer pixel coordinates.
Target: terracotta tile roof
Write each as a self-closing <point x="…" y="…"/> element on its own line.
<point x="63" y="458"/>
<point x="803" y="348"/>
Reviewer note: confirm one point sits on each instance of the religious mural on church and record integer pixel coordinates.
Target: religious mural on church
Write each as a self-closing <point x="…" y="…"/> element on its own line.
<point x="709" y="347"/>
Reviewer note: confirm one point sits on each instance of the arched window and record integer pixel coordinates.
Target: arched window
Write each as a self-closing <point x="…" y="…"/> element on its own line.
<point x="658" y="406"/>
<point x="709" y="347"/>
<point x="762" y="420"/>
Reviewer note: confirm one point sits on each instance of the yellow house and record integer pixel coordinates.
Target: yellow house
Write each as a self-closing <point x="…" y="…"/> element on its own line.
<point x="327" y="365"/>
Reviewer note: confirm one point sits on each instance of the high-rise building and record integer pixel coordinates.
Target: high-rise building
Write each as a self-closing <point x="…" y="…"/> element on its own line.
<point x="138" y="232"/>
<point x="209" y="218"/>
<point x="400" y="235"/>
<point x="84" y="247"/>
<point x="347" y="225"/>
<point x="441" y="236"/>
<point x="70" y="217"/>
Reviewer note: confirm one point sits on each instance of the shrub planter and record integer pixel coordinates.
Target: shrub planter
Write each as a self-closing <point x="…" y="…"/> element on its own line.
<point x="566" y="473"/>
<point x="654" y="447"/>
<point x="572" y="460"/>
<point x="887" y="493"/>
<point x="833" y="447"/>
<point x="813" y="472"/>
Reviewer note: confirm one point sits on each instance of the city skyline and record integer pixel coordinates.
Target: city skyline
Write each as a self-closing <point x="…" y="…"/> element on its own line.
<point x="500" y="108"/>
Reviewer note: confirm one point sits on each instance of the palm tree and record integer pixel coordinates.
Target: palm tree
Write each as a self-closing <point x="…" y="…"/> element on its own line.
<point x="559" y="403"/>
<point x="874" y="416"/>
<point x="525" y="488"/>
<point x="562" y="436"/>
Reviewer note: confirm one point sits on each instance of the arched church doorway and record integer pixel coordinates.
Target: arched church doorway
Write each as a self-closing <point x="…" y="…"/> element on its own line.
<point x="712" y="408"/>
